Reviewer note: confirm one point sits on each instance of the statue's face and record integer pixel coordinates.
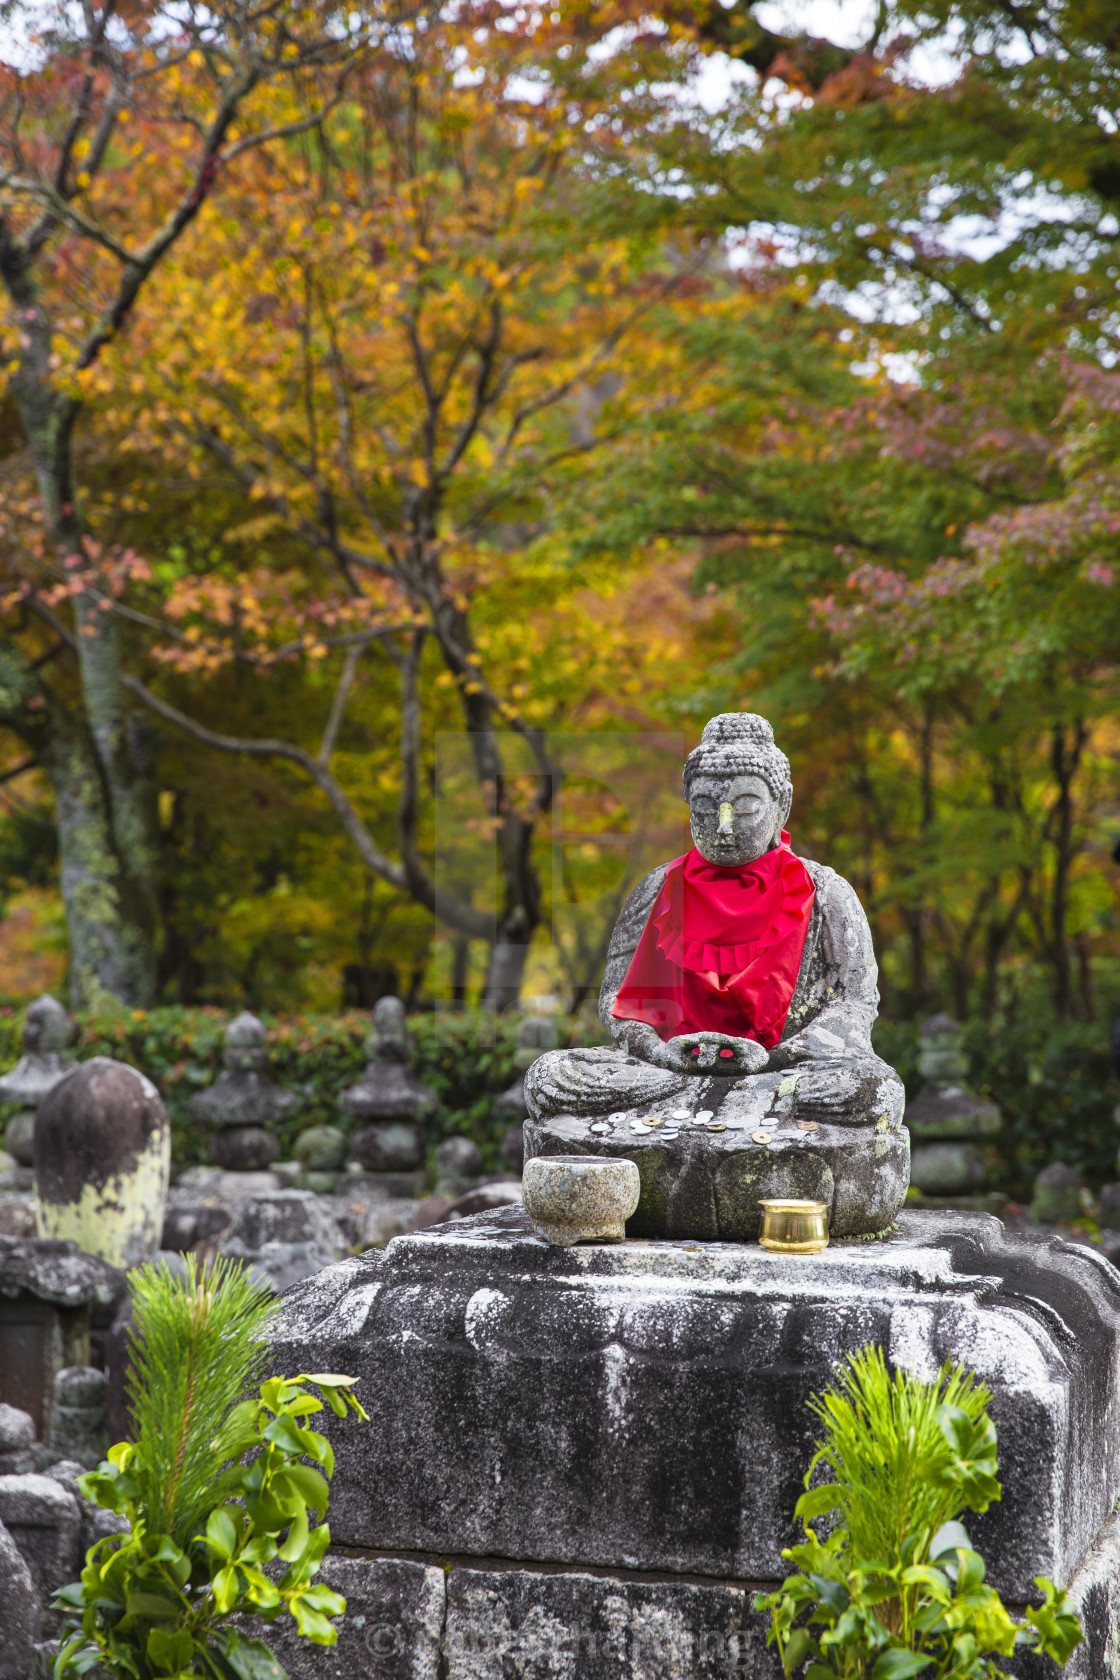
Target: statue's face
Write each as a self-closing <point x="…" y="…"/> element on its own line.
<point x="734" y="819"/>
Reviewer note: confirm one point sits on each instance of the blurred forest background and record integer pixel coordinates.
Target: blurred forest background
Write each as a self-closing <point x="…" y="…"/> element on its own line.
<point x="372" y="377"/>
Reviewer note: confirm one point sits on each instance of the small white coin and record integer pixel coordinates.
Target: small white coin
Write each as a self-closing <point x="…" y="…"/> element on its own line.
<point x="681" y="1114"/>
<point x="620" y="1114"/>
<point x="704" y="1114"/>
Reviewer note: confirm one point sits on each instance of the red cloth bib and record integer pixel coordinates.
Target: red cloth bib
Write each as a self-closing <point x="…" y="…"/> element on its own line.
<point x="721" y="948"/>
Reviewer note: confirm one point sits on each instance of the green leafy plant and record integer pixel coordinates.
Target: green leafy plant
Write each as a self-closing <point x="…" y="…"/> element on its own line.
<point x="896" y="1588"/>
<point x="214" y="1488"/>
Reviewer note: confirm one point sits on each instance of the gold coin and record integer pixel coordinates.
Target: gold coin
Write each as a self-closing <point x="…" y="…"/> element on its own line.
<point x="761" y="1137"/>
<point x="651" y="1119"/>
<point x="716" y="1126"/>
<point x="808" y="1126"/>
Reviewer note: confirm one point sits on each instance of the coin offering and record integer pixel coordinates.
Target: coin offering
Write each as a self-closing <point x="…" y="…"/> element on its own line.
<point x="761" y="1137"/>
<point x="808" y="1126"/>
<point x="651" y="1119"/>
<point x="680" y="1114"/>
<point x="620" y="1114"/>
<point x="716" y="1126"/>
<point x="705" y="1114"/>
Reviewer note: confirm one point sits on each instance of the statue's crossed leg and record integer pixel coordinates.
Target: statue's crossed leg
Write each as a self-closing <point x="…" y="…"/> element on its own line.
<point x="854" y="1090"/>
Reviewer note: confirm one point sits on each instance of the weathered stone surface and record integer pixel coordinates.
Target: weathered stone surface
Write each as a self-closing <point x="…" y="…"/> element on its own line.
<point x="186" y="1223"/>
<point x="78" y="1430"/>
<point x="17" y="1441"/>
<point x="947" y="1120"/>
<point x="641" y="1405"/>
<point x="387" y="1089"/>
<point x="535" y="1034"/>
<point x="20" y="1611"/>
<point x="243" y="1095"/>
<point x="17" y="1214"/>
<point x="44" y="1521"/>
<point x="55" y="1270"/>
<point x="572" y="1198"/>
<point x="287" y="1234"/>
<point x="321" y="1149"/>
<point x="244" y="1149"/>
<point x="458" y="1159"/>
<point x="502" y="1623"/>
<point x="17" y="1429"/>
<point x="227" y="1188"/>
<point x="19" y="1137"/>
<point x="710" y="1185"/>
<point x="498" y="1192"/>
<point x="391" y="1630"/>
<point x="47" y="1032"/>
<point x="389" y="1147"/>
<point x="49" y="1293"/>
<point x="1057" y="1196"/>
<point x="103" y="1161"/>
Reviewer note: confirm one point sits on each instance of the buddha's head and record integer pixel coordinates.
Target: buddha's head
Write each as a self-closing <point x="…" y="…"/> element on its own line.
<point x="738" y="788"/>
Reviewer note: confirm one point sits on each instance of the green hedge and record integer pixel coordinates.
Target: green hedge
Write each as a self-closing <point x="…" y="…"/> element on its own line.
<point x="1052" y="1083"/>
<point x="316" y="1055"/>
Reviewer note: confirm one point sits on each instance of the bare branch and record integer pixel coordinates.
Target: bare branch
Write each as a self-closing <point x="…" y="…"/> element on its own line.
<point x="338" y="704"/>
<point x="467" y="920"/>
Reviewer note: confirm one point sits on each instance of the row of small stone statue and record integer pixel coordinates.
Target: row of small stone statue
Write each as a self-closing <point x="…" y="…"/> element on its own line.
<point x="386" y="1107"/>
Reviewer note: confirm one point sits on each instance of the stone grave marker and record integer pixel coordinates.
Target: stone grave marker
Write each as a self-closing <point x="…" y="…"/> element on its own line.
<point x="388" y="1103"/>
<point x="48" y="1032"/>
<point x="243" y="1101"/>
<point x="103" y="1162"/>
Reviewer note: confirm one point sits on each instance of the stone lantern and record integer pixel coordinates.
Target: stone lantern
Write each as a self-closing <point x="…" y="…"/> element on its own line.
<point x="48" y="1293"/>
<point x="388" y="1101"/>
<point x="947" y="1121"/>
<point x="243" y="1100"/>
<point x="535" y="1035"/>
<point x="48" y="1032"/>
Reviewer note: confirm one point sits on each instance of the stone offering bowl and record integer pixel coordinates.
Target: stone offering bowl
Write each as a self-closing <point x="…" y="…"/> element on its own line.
<point x="793" y="1226"/>
<point x="580" y="1198"/>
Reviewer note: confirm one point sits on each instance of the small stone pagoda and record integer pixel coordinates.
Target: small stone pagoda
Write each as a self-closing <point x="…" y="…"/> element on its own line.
<point x="48" y="1031"/>
<point x="388" y="1102"/>
<point x="243" y="1101"/>
<point x="947" y="1121"/>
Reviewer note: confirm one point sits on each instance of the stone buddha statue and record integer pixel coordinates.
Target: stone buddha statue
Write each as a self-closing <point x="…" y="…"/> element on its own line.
<point x="740" y="991"/>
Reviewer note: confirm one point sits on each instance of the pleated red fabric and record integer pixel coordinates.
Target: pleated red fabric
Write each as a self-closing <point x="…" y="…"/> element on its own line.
<point x="721" y="948"/>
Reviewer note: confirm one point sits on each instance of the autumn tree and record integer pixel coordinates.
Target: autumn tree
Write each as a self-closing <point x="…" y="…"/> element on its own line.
<point x="115" y="126"/>
<point x="400" y="338"/>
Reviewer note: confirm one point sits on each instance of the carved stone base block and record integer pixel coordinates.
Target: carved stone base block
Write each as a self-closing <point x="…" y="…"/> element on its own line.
<point x="608" y="1439"/>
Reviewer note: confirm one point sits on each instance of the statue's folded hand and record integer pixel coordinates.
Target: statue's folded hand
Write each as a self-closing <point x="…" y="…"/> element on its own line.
<point x="712" y="1053"/>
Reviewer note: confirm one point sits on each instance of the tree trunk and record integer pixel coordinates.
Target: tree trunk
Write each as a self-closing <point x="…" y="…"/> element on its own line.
<point x="111" y="955"/>
<point x="104" y="809"/>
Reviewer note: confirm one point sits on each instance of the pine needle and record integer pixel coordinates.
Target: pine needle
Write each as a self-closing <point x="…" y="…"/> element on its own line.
<point x="880" y="1429"/>
<point x="197" y="1343"/>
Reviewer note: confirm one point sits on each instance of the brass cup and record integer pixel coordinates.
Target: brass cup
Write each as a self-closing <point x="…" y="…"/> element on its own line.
<point x="794" y="1227"/>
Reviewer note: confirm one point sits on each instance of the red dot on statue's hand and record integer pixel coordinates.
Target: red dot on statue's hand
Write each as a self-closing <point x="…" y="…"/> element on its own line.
<point x="727" y="1052"/>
